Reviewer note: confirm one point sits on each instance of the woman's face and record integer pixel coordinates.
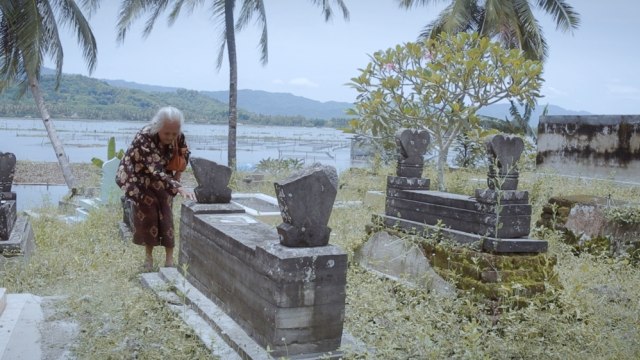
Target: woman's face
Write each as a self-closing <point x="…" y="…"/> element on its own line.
<point x="169" y="132"/>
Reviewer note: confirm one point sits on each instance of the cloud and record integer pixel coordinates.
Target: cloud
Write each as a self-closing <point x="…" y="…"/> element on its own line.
<point x="304" y="82"/>
<point x="278" y="81"/>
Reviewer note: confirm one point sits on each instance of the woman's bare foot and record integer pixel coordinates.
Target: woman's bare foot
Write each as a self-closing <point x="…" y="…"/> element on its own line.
<point x="148" y="266"/>
<point x="168" y="262"/>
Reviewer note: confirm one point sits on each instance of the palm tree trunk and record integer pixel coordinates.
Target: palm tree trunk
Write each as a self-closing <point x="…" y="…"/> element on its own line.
<point x="233" y="82"/>
<point x="53" y="136"/>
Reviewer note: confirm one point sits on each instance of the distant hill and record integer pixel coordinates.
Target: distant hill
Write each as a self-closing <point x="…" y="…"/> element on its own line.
<point x="286" y="104"/>
<point x="501" y="110"/>
<point x="263" y="102"/>
<point x="84" y="97"/>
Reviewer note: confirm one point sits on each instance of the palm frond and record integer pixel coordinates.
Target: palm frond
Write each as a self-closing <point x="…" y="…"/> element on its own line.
<point x="327" y="10"/>
<point x="531" y="39"/>
<point x="130" y="10"/>
<point x="90" y="6"/>
<point x="48" y="43"/>
<point x="218" y="12"/>
<point x="563" y="14"/>
<point x="70" y="14"/>
<point x="408" y="4"/>
<point x="249" y="8"/>
<point x="160" y="6"/>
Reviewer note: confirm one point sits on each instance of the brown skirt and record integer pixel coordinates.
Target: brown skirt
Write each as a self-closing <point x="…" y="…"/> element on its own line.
<point x="152" y="219"/>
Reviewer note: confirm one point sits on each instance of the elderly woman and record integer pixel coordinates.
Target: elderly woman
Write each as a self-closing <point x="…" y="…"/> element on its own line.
<point x="149" y="178"/>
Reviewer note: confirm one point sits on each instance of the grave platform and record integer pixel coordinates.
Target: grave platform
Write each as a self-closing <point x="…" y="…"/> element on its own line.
<point x="21" y="242"/>
<point x="291" y="300"/>
<point x="217" y="330"/>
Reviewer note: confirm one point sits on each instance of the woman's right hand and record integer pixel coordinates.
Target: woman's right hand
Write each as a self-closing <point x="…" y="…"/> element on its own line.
<point x="186" y="194"/>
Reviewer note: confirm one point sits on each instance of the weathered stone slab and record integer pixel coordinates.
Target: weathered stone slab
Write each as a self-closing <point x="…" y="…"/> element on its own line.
<point x="7" y="195"/>
<point x="190" y="208"/>
<point x="463" y="202"/>
<point x="7" y="171"/>
<point x="306" y="200"/>
<point x="8" y="217"/>
<point x="213" y="181"/>
<point x="21" y="241"/>
<point x="460" y="219"/>
<point x="462" y="237"/>
<point x="407" y="183"/>
<point x="514" y="246"/>
<point x="507" y="197"/>
<point x="398" y="260"/>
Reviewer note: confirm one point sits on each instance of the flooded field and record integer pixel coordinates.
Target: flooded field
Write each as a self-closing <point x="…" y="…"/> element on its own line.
<point x="84" y="139"/>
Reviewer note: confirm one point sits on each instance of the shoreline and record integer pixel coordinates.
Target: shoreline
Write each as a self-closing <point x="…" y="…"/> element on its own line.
<point x="49" y="173"/>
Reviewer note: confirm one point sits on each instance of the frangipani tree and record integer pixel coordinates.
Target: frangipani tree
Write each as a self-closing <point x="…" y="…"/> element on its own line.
<point x="439" y="85"/>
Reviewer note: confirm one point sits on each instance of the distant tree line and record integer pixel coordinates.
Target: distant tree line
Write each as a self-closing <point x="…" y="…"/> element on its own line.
<point x="81" y="97"/>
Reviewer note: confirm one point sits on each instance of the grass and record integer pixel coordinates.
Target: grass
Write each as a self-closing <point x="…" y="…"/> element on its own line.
<point x="596" y="316"/>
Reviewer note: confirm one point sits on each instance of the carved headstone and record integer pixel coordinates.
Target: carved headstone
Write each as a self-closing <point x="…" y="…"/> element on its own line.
<point x="213" y="180"/>
<point x="109" y="190"/>
<point x="503" y="152"/>
<point x="7" y="170"/>
<point x="412" y="145"/>
<point x="306" y="200"/>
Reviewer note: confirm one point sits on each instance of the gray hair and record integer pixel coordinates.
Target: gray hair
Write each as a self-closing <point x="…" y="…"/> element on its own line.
<point x="163" y="116"/>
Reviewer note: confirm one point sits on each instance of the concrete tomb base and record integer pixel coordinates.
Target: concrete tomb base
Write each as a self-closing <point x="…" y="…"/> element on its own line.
<point x="291" y="300"/>
<point x="21" y="242"/>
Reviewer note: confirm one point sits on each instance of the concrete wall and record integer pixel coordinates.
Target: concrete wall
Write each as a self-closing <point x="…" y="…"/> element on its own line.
<point x="596" y="146"/>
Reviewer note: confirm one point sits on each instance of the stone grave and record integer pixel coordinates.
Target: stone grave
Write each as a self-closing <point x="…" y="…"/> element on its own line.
<point x="595" y="224"/>
<point x="491" y="227"/>
<point x="16" y="235"/>
<point x="285" y="288"/>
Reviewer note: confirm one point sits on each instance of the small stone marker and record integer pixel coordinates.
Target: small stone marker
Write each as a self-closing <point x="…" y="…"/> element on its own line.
<point x="213" y="180"/>
<point x="306" y="200"/>
<point x="109" y="190"/>
<point x="7" y="170"/>
<point x="412" y="145"/>
<point x="504" y="151"/>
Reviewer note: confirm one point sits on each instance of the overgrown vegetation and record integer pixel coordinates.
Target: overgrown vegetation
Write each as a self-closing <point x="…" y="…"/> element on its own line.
<point x="596" y="314"/>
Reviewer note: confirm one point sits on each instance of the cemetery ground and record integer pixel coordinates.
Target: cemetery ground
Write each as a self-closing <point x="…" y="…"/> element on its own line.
<point x="595" y="313"/>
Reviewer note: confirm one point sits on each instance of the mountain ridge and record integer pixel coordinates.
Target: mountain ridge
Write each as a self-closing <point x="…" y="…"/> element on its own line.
<point x="288" y="104"/>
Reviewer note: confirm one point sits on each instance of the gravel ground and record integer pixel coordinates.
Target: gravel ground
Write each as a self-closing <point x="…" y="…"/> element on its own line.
<point x="87" y="175"/>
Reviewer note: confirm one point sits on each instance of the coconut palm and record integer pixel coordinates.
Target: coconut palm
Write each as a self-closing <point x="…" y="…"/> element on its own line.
<point x="512" y="22"/>
<point x="28" y="34"/>
<point x="223" y="11"/>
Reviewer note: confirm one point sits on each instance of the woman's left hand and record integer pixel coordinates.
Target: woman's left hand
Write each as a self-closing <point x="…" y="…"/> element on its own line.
<point x="186" y="194"/>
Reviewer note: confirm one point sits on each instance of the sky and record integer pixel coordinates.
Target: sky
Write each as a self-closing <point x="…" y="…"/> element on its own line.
<point x="594" y="69"/>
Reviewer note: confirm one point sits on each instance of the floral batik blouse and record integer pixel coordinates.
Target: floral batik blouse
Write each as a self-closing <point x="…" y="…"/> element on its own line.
<point x="142" y="169"/>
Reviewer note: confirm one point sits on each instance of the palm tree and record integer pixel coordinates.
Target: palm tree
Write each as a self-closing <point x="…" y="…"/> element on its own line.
<point x="223" y="10"/>
<point x="28" y="33"/>
<point x="510" y="21"/>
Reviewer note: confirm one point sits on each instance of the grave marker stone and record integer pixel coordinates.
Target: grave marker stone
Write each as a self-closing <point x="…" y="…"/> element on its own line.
<point x="7" y="171"/>
<point x="503" y="152"/>
<point x="306" y="200"/>
<point x="412" y="145"/>
<point x="109" y="190"/>
<point x="213" y="181"/>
